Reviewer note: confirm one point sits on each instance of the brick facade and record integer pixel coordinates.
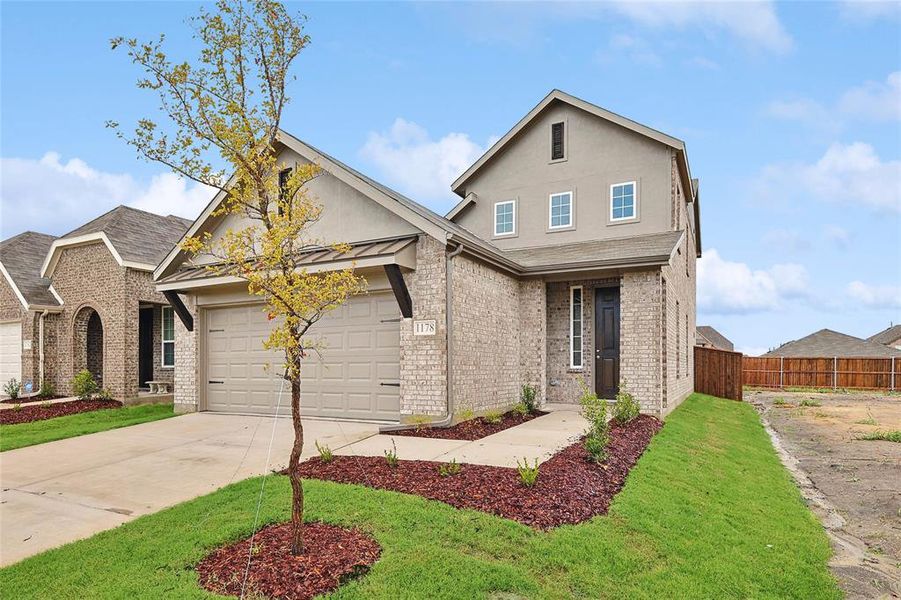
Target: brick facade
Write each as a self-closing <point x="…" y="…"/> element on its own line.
<point x="187" y="355"/>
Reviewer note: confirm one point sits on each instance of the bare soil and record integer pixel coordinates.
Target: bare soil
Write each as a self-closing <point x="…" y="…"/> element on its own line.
<point x="570" y="487"/>
<point x="860" y="479"/>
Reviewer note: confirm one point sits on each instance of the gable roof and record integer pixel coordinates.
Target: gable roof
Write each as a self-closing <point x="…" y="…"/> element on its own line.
<point x="715" y="338"/>
<point x="21" y="257"/>
<point x="136" y="238"/>
<point x="887" y="336"/>
<point x="828" y="343"/>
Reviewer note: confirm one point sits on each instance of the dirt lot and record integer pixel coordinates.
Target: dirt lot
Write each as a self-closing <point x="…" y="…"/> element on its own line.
<point x="859" y="482"/>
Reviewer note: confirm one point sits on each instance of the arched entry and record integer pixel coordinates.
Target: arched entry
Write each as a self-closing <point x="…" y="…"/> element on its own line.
<point x="87" y="337"/>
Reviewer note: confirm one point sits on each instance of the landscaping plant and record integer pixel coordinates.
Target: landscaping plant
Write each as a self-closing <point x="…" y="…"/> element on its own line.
<point x="391" y="456"/>
<point x="626" y="408"/>
<point x="520" y="409"/>
<point x="528" y="474"/>
<point x="105" y="394"/>
<point x="47" y="390"/>
<point x="325" y="453"/>
<point x="529" y="397"/>
<point x="225" y="108"/>
<point x="493" y="417"/>
<point x="597" y="436"/>
<point x="12" y="388"/>
<point x="450" y="468"/>
<point x="83" y="385"/>
<point x="465" y="415"/>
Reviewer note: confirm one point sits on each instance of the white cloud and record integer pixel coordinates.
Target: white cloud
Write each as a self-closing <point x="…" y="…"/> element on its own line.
<point x="733" y="287"/>
<point x="868" y="10"/>
<point x="418" y="165"/>
<point x="805" y="110"/>
<point x="633" y="48"/>
<point x="874" y="100"/>
<point x="53" y="196"/>
<point x="844" y="171"/>
<point x="875" y="296"/>
<point x="836" y="235"/>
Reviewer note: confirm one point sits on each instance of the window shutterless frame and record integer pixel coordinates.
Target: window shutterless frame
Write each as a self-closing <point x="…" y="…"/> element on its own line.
<point x="634" y="216"/>
<point x="512" y="213"/>
<point x="167" y="335"/>
<point x="569" y="211"/>
<point x="575" y="327"/>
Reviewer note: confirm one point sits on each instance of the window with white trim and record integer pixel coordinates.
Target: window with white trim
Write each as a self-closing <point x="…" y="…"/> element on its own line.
<point x="168" y="336"/>
<point x="561" y="210"/>
<point x="623" y="202"/>
<point x="505" y="218"/>
<point x="575" y="324"/>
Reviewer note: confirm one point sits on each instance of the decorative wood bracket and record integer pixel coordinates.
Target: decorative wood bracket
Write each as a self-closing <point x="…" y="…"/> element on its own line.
<point x="184" y="315"/>
<point x="401" y="293"/>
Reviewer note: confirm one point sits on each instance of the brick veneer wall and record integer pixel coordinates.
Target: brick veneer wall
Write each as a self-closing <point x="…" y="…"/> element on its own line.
<point x="423" y="359"/>
<point x="486" y="363"/>
<point x="680" y="327"/>
<point x="640" y="337"/>
<point x="533" y="335"/>
<point x="187" y="355"/>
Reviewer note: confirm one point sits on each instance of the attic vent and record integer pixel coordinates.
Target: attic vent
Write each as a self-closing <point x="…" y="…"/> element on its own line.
<point x="557" y="150"/>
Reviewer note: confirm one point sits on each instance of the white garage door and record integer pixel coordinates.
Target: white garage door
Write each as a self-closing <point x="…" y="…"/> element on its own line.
<point x="10" y="352"/>
<point x="356" y="376"/>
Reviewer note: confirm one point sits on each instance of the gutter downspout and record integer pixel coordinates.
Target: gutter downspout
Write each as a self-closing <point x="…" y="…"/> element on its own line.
<point x="448" y="329"/>
<point x="41" y="346"/>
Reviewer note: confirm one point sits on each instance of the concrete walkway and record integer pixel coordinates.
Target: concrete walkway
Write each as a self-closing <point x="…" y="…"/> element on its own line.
<point x="63" y="491"/>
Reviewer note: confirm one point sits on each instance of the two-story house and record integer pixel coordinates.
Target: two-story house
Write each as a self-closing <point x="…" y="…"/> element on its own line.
<point x="570" y="257"/>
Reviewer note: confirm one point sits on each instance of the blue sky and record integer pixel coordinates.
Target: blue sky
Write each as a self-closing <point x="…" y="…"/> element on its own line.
<point x="791" y="114"/>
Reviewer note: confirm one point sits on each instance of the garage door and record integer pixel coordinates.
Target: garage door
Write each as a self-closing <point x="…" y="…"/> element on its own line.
<point x="356" y="376"/>
<point x="10" y="352"/>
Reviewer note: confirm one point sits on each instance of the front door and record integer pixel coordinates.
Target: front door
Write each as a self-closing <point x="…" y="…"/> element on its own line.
<point x="606" y="341"/>
<point x="145" y="346"/>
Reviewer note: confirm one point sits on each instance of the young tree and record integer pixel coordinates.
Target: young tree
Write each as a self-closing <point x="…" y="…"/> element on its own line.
<point x="226" y="107"/>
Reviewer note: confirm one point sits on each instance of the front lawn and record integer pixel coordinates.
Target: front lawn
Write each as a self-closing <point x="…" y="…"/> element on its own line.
<point x="49" y="430"/>
<point x="708" y="511"/>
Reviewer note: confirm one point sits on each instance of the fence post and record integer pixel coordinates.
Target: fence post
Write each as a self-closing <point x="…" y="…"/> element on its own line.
<point x="781" y="372"/>
<point x="893" y="373"/>
<point x="834" y="372"/>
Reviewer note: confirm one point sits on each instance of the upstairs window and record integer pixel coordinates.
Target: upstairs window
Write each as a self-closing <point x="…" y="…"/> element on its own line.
<point x="168" y="336"/>
<point x="622" y="201"/>
<point x="561" y="210"/>
<point x="558" y="139"/>
<point x="575" y="331"/>
<point x="505" y="218"/>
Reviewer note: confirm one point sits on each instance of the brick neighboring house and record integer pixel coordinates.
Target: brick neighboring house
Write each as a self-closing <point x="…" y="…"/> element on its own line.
<point x="87" y="300"/>
<point x="570" y="256"/>
<point x="890" y="337"/>
<point x="708" y="337"/>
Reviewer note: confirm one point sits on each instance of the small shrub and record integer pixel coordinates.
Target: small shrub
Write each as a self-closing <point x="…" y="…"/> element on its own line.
<point x="83" y="385"/>
<point x="597" y="436"/>
<point x="325" y="453"/>
<point x="17" y="406"/>
<point x="596" y="448"/>
<point x="781" y="402"/>
<point x="449" y="469"/>
<point x="391" y="456"/>
<point x="493" y="417"/>
<point x="521" y="409"/>
<point x="420" y="421"/>
<point x="529" y="397"/>
<point x="528" y="474"/>
<point x="626" y="408"/>
<point x="47" y="390"/>
<point x="46" y="403"/>
<point x="12" y="388"/>
<point x="465" y="415"/>
<point x="809" y="402"/>
<point x="105" y="394"/>
<point x="883" y="436"/>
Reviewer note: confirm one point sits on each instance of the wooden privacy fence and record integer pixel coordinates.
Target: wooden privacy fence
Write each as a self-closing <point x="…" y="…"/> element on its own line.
<point x="822" y="372"/>
<point x="718" y="372"/>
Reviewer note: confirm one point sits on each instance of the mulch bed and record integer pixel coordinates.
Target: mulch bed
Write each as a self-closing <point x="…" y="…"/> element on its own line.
<point x="29" y="399"/>
<point x="30" y="413"/>
<point x="473" y="429"/>
<point x="570" y="488"/>
<point x="332" y="555"/>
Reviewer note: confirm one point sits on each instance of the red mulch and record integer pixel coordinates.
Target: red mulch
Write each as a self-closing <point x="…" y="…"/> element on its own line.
<point x="28" y="399"/>
<point x="331" y="556"/>
<point x="570" y="488"/>
<point x="27" y="414"/>
<point x="473" y="429"/>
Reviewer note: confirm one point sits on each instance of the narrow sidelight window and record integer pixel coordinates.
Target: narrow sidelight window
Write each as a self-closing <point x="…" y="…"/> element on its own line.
<point x="561" y="214"/>
<point x="168" y="335"/>
<point x="505" y="218"/>
<point x="558" y="152"/>
<point x="575" y="331"/>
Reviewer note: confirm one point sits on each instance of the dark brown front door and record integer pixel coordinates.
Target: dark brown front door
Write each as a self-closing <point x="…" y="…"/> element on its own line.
<point x="145" y="346"/>
<point x="606" y="341"/>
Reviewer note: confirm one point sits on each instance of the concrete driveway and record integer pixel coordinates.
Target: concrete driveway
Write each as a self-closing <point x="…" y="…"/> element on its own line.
<point x="63" y="491"/>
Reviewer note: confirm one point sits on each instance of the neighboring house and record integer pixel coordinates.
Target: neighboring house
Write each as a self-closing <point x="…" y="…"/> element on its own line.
<point x="570" y="257"/>
<point x="708" y="337"/>
<point x="888" y="337"/>
<point x="86" y="300"/>
<point x="827" y="343"/>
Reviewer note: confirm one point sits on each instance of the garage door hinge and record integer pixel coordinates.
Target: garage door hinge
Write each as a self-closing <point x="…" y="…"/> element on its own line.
<point x="215" y="382"/>
<point x="390" y="384"/>
<point x="398" y="320"/>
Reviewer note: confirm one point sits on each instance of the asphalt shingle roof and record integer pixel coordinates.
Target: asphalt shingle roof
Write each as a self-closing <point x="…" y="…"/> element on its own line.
<point x="715" y="337"/>
<point x="138" y="236"/>
<point x="886" y="336"/>
<point x="22" y="257"/>
<point x="614" y="252"/>
<point x="828" y="343"/>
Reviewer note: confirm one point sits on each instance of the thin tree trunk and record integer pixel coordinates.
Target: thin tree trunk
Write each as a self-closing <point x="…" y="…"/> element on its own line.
<point x="294" y="470"/>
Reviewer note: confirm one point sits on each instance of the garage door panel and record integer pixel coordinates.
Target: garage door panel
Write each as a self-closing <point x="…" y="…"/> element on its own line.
<point x="10" y="352"/>
<point x="359" y="346"/>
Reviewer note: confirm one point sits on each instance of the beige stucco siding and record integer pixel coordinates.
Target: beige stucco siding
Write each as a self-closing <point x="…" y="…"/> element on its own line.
<point x="599" y="154"/>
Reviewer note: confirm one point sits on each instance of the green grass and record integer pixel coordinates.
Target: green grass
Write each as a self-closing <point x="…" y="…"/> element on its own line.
<point x="708" y="512"/>
<point x="882" y="436"/>
<point x="49" y="430"/>
<point x="810" y="402"/>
